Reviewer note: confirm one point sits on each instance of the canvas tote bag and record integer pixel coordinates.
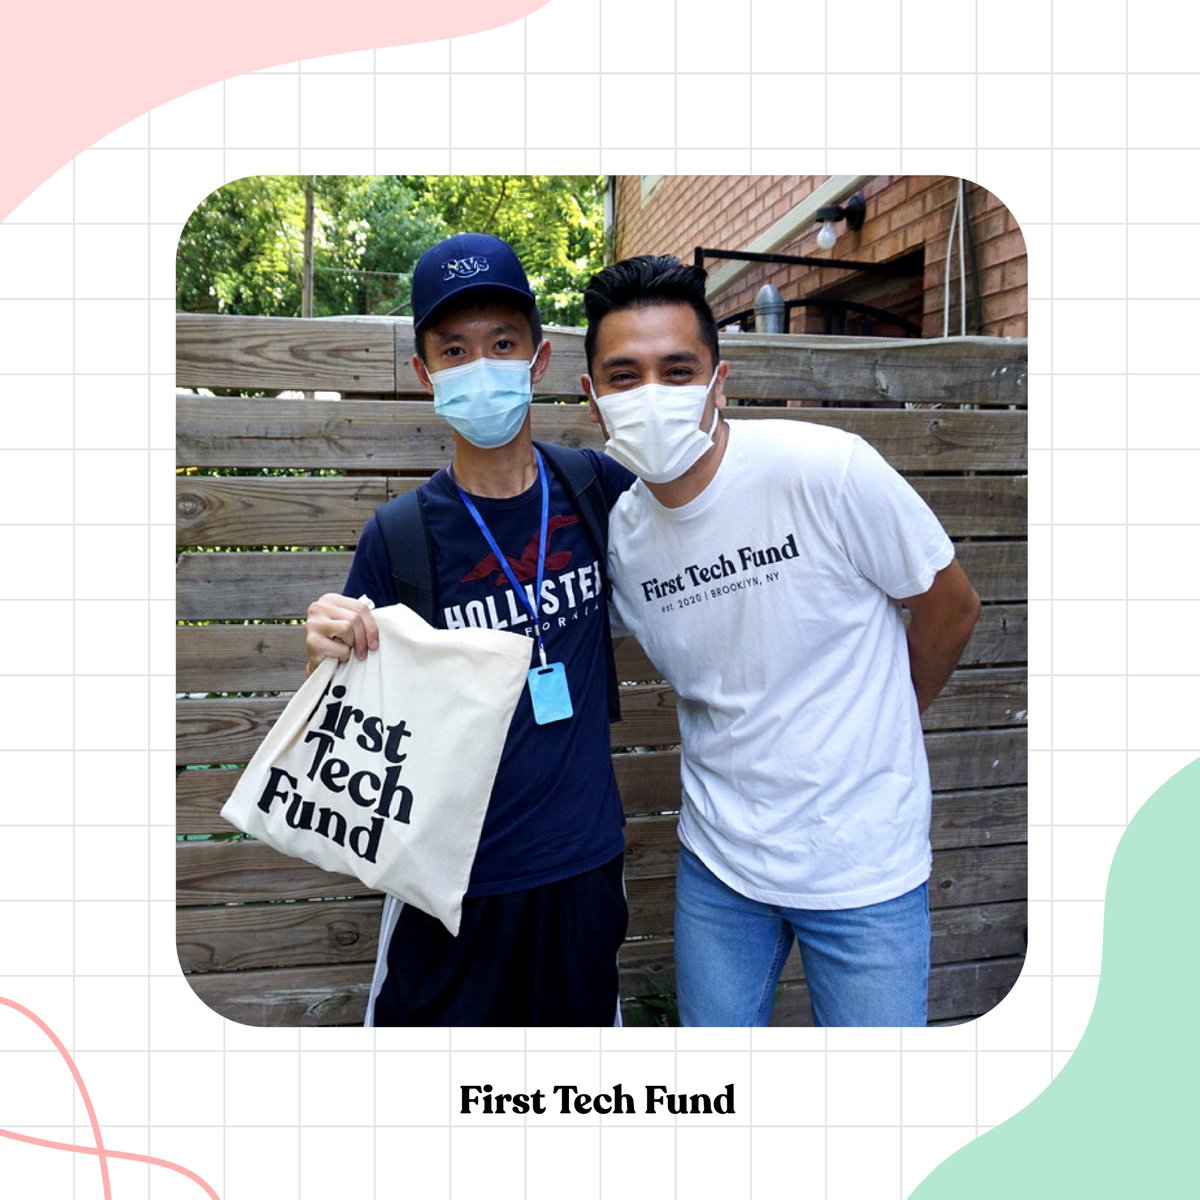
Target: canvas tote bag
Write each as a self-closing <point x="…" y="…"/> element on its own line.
<point x="382" y="768"/>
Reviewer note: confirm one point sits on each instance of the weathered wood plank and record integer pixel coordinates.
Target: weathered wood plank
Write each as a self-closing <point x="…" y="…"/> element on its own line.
<point x="264" y="585"/>
<point x="972" y="698"/>
<point x="647" y="967"/>
<point x="284" y="353"/>
<point x="247" y="872"/>
<point x="245" y="937"/>
<point x="253" y="937"/>
<point x="649" y="785"/>
<point x="226" y="730"/>
<point x="648" y="717"/>
<point x="998" y="571"/>
<point x="984" y="371"/>
<point x="980" y="698"/>
<point x="651" y="847"/>
<point x="975" y="762"/>
<point x="980" y="758"/>
<point x="270" y="658"/>
<point x="977" y="505"/>
<point x="372" y="355"/>
<point x="367" y="435"/>
<point x="229" y="729"/>
<point x="979" y="818"/>
<point x="199" y="798"/>
<point x="281" y="353"/>
<point x="211" y="585"/>
<point x="976" y="932"/>
<point x="201" y="794"/>
<point x="957" y="992"/>
<point x="979" y="931"/>
<point x="296" y="996"/>
<point x="960" y="991"/>
<point x="238" y="510"/>
<point x="649" y="782"/>
<point x="1001" y="635"/>
<point x="978" y="875"/>
<point x="337" y="995"/>
<point x="239" y="658"/>
<point x="233" y="510"/>
<point x="651" y="905"/>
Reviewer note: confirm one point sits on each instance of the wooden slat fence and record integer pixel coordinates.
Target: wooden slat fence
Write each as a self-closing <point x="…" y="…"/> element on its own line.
<point x="270" y="940"/>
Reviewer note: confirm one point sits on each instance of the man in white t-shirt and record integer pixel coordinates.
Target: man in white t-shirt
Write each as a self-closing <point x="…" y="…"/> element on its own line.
<point x="763" y="566"/>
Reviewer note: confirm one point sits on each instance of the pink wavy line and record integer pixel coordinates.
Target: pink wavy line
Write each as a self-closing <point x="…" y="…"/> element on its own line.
<point x="101" y="1153"/>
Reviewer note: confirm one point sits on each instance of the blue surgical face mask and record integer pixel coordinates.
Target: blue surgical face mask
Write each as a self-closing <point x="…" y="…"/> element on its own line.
<point x="485" y="400"/>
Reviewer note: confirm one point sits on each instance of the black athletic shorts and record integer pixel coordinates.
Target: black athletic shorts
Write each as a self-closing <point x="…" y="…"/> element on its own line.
<point x="544" y="956"/>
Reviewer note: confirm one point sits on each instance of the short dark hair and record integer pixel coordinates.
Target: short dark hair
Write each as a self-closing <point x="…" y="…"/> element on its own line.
<point x="643" y="282"/>
<point x="481" y="298"/>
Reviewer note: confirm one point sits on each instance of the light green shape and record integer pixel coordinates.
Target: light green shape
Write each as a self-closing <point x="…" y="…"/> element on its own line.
<point x="1122" y="1118"/>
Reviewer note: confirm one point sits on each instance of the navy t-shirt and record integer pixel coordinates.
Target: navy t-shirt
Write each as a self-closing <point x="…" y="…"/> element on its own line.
<point x="554" y="810"/>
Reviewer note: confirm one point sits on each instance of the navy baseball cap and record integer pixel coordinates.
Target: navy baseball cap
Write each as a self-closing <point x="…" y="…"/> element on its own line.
<point x="463" y="263"/>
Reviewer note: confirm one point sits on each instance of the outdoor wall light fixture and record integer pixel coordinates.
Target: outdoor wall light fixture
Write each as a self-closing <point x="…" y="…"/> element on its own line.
<point x="853" y="213"/>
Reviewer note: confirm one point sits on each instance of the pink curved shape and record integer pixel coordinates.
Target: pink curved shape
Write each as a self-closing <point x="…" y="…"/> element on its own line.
<point x="70" y="77"/>
<point x="102" y="1154"/>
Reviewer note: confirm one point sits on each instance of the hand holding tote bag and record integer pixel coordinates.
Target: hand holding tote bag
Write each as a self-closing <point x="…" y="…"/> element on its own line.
<point x="382" y="768"/>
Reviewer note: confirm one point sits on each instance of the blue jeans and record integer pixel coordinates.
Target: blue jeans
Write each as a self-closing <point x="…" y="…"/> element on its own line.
<point x="863" y="966"/>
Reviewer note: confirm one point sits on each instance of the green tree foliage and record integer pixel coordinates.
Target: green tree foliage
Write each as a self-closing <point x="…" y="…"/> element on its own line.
<point x="242" y="250"/>
<point x="554" y="222"/>
<point x="235" y="255"/>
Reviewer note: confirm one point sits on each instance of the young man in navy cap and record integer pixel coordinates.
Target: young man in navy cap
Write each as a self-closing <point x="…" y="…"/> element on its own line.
<point x="510" y="536"/>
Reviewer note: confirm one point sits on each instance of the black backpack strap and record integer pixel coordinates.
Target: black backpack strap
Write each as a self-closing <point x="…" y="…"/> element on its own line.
<point x="577" y="475"/>
<point x="585" y="491"/>
<point x="405" y="531"/>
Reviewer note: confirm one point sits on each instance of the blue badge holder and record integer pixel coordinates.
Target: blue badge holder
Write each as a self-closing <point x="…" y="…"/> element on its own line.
<point x="549" y="694"/>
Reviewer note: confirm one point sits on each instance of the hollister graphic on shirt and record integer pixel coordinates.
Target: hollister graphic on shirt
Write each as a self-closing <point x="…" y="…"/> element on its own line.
<point x="568" y="593"/>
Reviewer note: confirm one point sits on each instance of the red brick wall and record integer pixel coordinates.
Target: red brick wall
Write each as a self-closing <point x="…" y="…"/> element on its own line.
<point x="904" y="213"/>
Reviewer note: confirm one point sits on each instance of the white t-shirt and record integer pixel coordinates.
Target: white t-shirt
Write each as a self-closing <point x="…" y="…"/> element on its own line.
<point x="770" y="604"/>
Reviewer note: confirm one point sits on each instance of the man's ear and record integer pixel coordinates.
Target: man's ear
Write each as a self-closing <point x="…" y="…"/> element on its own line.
<point x="585" y="382"/>
<point x="422" y="373"/>
<point x="541" y="362"/>
<point x="719" y="386"/>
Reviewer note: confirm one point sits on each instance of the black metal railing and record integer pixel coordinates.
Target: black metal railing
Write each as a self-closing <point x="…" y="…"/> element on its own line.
<point x="804" y="260"/>
<point x="829" y="305"/>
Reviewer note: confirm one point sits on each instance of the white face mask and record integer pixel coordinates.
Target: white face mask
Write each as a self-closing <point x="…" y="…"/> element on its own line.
<point x="654" y="430"/>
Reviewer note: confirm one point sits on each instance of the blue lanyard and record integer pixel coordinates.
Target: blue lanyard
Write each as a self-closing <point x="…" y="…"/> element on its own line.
<point x="535" y="605"/>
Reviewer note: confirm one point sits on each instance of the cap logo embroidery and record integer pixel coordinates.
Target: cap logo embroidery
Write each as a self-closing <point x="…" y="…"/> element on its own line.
<point x="464" y="268"/>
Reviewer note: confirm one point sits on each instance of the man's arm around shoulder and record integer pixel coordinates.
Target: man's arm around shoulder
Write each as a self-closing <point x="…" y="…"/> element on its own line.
<point x="942" y="620"/>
